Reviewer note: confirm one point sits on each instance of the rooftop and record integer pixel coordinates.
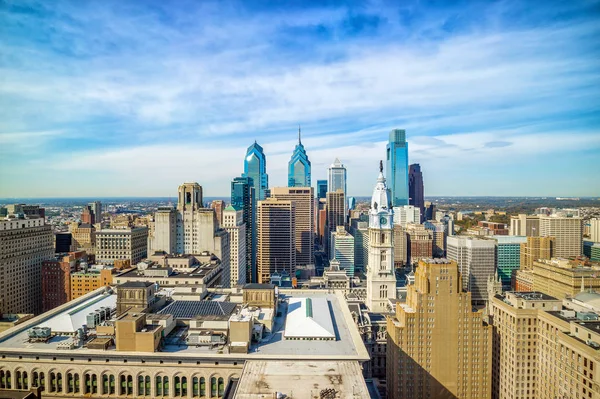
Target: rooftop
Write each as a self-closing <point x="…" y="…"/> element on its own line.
<point x="135" y="284"/>
<point x="191" y="309"/>
<point x="301" y="380"/>
<point x="256" y="286"/>
<point x="309" y="318"/>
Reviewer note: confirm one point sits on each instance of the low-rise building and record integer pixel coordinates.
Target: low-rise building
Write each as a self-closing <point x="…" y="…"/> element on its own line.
<point x="127" y="243"/>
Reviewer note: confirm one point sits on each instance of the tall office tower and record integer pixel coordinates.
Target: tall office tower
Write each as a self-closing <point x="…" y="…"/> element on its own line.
<point x="351" y="203"/>
<point x="416" y="191"/>
<point x="429" y="210"/>
<point x="218" y="206"/>
<point x="122" y="244"/>
<point x="276" y="238"/>
<point x="406" y="214"/>
<point x="304" y="213"/>
<point x="434" y="329"/>
<point x="595" y="230"/>
<point x="360" y="232"/>
<point x="397" y="167"/>
<point x="321" y="189"/>
<point x="568" y="233"/>
<point x="255" y="167"/>
<point x="524" y="225"/>
<point x="536" y="248"/>
<point x="400" y="246"/>
<point x="336" y="205"/>
<point x="25" y="242"/>
<point x="87" y="215"/>
<point x="96" y="208"/>
<point x="165" y="230"/>
<point x="420" y="243"/>
<point x="438" y="232"/>
<point x="299" y="166"/>
<point x="476" y="259"/>
<point x="337" y="177"/>
<point x="381" y="276"/>
<point x="243" y="196"/>
<point x="322" y="222"/>
<point x="448" y="225"/>
<point x="508" y="257"/>
<point x="233" y="223"/>
<point x="342" y="249"/>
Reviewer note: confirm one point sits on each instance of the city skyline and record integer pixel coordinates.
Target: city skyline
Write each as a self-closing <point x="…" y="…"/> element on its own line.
<point x="495" y="101"/>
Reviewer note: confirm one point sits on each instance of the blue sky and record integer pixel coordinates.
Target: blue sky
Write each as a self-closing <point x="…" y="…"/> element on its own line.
<point x="131" y="98"/>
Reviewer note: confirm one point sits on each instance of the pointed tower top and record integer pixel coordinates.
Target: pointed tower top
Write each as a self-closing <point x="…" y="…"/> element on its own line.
<point x="299" y="140"/>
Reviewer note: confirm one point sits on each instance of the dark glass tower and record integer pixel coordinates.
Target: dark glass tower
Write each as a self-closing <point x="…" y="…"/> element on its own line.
<point x="397" y="167"/>
<point x="255" y="167"/>
<point x="415" y="188"/>
<point x="243" y="196"/>
<point x="321" y="189"/>
<point x="299" y="167"/>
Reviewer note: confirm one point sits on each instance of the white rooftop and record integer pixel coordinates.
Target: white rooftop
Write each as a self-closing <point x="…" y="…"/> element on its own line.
<point x="309" y="318"/>
<point x="72" y="319"/>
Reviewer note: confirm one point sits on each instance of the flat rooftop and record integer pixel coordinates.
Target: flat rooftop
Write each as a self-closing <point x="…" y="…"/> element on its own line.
<point x="301" y="379"/>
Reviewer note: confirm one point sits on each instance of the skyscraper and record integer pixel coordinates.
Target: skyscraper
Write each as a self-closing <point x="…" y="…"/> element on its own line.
<point x="255" y="167"/>
<point x="337" y="176"/>
<point x="299" y="166"/>
<point x="304" y="222"/>
<point x="568" y="234"/>
<point x="243" y="196"/>
<point x="336" y="202"/>
<point x="96" y="208"/>
<point x="276" y="238"/>
<point x="536" y="248"/>
<point x="381" y="277"/>
<point x="476" y="259"/>
<point x="342" y="249"/>
<point x="233" y="223"/>
<point x="406" y="214"/>
<point x="397" y="167"/>
<point x="416" y="192"/>
<point x="218" y="206"/>
<point x="321" y="189"/>
<point x="438" y="346"/>
<point x="508" y="256"/>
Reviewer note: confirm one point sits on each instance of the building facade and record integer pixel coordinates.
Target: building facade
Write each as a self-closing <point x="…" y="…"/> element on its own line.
<point x="122" y="244"/>
<point x="342" y="249"/>
<point x="438" y="347"/>
<point x="255" y="167"/>
<point x="406" y="214"/>
<point x="508" y="257"/>
<point x="595" y="229"/>
<point x="536" y="248"/>
<point x="299" y="166"/>
<point x="304" y="221"/>
<point x="218" y="206"/>
<point x="322" y="189"/>
<point x="276" y="238"/>
<point x="233" y="223"/>
<point x="243" y="196"/>
<point x="561" y="278"/>
<point x="568" y="234"/>
<point x="337" y="179"/>
<point x="476" y="259"/>
<point x="397" y="167"/>
<point x="360" y="232"/>
<point x="335" y="208"/>
<point x="524" y="225"/>
<point x="25" y="243"/>
<point x="416" y="191"/>
<point x="438" y="231"/>
<point x="56" y="278"/>
<point x="420" y="243"/>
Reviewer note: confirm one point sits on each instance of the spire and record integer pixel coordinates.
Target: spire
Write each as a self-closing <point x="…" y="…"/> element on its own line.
<point x="299" y="140"/>
<point x="380" y="166"/>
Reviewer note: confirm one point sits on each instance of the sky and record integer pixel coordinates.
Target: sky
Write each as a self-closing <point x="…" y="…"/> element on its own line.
<point x="132" y="98"/>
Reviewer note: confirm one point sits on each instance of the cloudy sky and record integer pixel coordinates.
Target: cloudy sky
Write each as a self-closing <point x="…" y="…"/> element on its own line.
<point x="132" y="98"/>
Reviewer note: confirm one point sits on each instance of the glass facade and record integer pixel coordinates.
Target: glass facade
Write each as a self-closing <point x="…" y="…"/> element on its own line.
<point x="397" y="167"/>
<point x="508" y="256"/>
<point x="337" y="177"/>
<point x="255" y="167"/>
<point x="321" y="189"/>
<point x="299" y="167"/>
<point x="243" y="196"/>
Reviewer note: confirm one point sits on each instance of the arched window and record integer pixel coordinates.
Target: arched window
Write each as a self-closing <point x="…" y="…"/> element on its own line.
<point x="202" y="387"/>
<point x="122" y="385"/>
<point x="25" y="380"/>
<point x="36" y="379"/>
<point x="42" y="381"/>
<point x="184" y="386"/>
<point x="159" y="386"/>
<point x="111" y="385"/>
<point x="76" y="382"/>
<point x="105" y="388"/>
<point x="2" y="379"/>
<point x="141" y="390"/>
<point x="70" y="383"/>
<point x="129" y="385"/>
<point x="166" y="386"/>
<point x="221" y="387"/>
<point x="59" y="382"/>
<point x="177" y="386"/>
<point x="52" y="382"/>
<point x="95" y="383"/>
<point x="148" y="382"/>
<point x="18" y="378"/>
<point x="213" y="387"/>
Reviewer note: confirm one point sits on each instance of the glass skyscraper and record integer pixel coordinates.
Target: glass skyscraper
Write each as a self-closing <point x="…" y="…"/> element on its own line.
<point x="397" y="167"/>
<point x="321" y="189"/>
<point x="255" y="167"/>
<point x="243" y="196"/>
<point x="337" y="177"/>
<point x="416" y="189"/>
<point x="299" y="167"/>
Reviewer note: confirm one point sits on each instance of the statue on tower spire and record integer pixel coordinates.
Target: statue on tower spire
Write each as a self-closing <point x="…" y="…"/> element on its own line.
<point x="380" y="166"/>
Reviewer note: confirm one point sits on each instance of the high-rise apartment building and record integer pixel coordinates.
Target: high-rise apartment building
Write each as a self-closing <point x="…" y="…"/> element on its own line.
<point x="508" y="257"/>
<point x="299" y="166"/>
<point x="397" y="167"/>
<point x="360" y="232"/>
<point x="524" y="225"/>
<point x="276" y="238"/>
<point x="420" y="243"/>
<point x="416" y="191"/>
<point x="25" y="243"/>
<point x="381" y="277"/>
<point x="476" y="259"/>
<point x="233" y="223"/>
<point x="438" y="232"/>
<point x="337" y="177"/>
<point x="304" y="213"/>
<point x="336" y="206"/>
<point x="342" y="249"/>
<point x="438" y="347"/>
<point x="406" y="214"/>
<point x="243" y="196"/>
<point x="218" y="206"/>
<point x="116" y="244"/>
<point x="568" y="234"/>
<point x="562" y="278"/>
<point x="321" y="189"/>
<point x="595" y="230"/>
<point x="536" y="248"/>
<point x="255" y="167"/>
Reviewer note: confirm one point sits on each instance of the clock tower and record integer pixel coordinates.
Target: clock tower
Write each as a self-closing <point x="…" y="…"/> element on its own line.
<point x="381" y="277"/>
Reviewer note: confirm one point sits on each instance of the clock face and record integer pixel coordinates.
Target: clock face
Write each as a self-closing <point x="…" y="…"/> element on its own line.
<point x="382" y="220"/>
